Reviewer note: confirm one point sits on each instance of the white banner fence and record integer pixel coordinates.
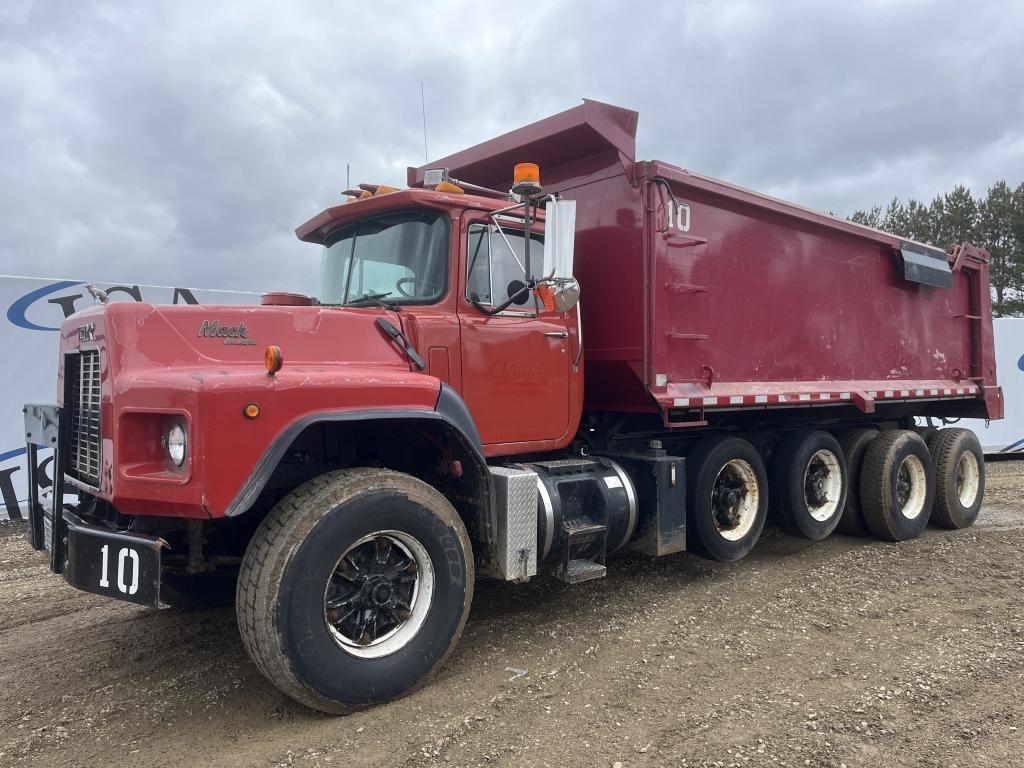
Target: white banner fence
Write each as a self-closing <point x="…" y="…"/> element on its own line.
<point x="1006" y="435"/>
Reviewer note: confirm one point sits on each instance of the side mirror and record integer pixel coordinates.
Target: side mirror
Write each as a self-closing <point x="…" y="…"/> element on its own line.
<point x="560" y="294"/>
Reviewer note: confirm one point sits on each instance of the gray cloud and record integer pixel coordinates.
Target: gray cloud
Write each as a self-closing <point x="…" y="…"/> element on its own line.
<point x="182" y="142"/>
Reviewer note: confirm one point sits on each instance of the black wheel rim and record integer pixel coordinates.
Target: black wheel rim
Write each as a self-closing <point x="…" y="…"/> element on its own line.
<point x="374" y="601"/>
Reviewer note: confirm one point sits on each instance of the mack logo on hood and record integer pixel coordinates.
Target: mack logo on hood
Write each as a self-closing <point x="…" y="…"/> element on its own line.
<point x="232" y="334"/>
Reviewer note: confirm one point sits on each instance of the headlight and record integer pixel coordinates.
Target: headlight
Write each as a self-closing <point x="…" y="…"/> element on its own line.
<point x="176" y="444"/>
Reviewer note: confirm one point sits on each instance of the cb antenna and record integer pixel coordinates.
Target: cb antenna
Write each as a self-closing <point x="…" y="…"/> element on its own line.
<point x="423" y="106"/>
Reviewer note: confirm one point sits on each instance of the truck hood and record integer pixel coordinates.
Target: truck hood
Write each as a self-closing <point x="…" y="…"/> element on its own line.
<point x="203" y="366"/>
<point x="137" y="335"/>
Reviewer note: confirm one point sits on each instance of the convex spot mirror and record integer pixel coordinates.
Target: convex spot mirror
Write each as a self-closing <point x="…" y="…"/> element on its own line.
<point x="517" y="292"/>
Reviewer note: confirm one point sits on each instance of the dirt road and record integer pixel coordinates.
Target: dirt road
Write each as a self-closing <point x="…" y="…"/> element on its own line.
<point x="844" y="652"/>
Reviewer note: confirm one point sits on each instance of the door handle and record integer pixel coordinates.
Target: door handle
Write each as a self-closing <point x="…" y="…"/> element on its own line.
<point x="557" y="334"/>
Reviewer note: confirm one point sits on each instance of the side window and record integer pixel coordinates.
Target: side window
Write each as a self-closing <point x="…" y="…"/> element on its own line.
<point x="492" y="265"/>
<point x="478" y="276"/>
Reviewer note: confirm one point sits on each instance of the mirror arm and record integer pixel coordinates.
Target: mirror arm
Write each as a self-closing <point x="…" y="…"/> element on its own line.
<point x="527" y="225"/>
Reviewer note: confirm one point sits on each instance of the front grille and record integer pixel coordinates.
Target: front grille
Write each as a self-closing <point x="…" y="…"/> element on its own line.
<point x="82" y="376"/>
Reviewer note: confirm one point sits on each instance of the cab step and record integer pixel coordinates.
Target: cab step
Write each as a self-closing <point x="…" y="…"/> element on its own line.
<point x="583" y="545"/>
<point x="582" y="570"/>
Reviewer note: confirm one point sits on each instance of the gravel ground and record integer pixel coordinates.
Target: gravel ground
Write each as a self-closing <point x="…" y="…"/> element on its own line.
<point x="845" y="652"/>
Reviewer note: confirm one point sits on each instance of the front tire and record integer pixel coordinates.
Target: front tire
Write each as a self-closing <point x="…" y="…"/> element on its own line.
<point x="355" y="588"/>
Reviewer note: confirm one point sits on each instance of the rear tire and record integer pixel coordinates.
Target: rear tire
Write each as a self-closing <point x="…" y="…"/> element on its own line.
<point x="727" y="498"/>
<point x="897" y="485"/>
<point x="959" y="477"/>
<point x="854" y="444"/>
<point x="355" y="588"/>
<point x="808" y="484"/>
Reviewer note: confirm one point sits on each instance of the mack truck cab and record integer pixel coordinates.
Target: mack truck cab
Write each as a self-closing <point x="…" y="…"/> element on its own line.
<point x="343" y="466"/>
<point x="327" y="456"/>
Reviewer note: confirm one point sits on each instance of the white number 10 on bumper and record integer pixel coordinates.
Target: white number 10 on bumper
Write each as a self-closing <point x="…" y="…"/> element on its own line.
<point x="123" y="556"/>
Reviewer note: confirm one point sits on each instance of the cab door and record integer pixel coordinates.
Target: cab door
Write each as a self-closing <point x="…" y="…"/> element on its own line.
<point x="516" y="365"/>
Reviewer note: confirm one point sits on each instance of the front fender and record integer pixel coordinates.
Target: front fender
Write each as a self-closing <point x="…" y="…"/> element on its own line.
<point x="238" y="452"/>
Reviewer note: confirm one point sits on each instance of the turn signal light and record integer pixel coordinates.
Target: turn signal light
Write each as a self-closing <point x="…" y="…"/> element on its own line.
<point x="251" y="411"/>
<point x="447" y="186"/>
<point x="273" y="359"/>
<point x="547" y="296"/>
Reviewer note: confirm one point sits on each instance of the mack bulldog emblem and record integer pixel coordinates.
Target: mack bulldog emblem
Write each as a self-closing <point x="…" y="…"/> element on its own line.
<point x="232" y="334"/>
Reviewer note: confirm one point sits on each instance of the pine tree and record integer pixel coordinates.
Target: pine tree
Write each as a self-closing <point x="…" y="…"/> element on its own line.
<point x="996" y="232"/>
<point x="919" y="222"/>
<point x="1016" y="258"/>
<point x="936" y="221"/>
<point x="896" y="219"/>
<point x="960" y="216"/>
<point x="872" y="218"/>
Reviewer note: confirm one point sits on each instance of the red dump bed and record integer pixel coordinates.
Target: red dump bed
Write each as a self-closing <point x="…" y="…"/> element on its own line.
<point x="700" y="295"/>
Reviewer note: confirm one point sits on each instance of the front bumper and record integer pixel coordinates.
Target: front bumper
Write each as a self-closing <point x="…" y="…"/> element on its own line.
<point x="119" y="564"/>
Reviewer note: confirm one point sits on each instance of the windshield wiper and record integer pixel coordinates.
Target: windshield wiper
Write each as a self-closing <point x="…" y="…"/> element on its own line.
<point x="374" y="299"/>
<point x="399" y="338"/>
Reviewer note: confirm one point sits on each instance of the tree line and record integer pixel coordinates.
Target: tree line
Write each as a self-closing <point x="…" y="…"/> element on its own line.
<point x="994" y="222"/>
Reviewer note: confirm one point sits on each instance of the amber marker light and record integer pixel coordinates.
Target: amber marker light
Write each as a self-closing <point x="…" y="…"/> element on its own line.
<point x="273" y="359"/>
<point x="447" y="186"/>
<point x="251" y="411"/>
<point x="547" y="296"/>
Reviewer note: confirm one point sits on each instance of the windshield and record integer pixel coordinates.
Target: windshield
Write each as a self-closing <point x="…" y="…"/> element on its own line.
<point x="402" y="256"/>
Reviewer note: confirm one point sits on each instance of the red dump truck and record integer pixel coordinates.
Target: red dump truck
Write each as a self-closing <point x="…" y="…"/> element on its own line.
<point x="502" y="375"/>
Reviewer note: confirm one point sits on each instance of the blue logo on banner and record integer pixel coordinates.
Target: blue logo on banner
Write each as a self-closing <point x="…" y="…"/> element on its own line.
<point x="11" y="454"/>
<point x="16" y="312"/>
<point x="1020" y="363"/>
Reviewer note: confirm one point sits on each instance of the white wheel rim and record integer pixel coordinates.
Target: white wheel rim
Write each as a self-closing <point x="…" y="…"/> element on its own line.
<point x="357" y="597"/>
<point x="968" y="479"/>
<point x="912" y="487"/>
<point x="823" y="485"/>
<point x="735" y="499"/>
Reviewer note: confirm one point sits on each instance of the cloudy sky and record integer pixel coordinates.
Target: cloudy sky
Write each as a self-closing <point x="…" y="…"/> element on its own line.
<point x="182" y="142"/>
